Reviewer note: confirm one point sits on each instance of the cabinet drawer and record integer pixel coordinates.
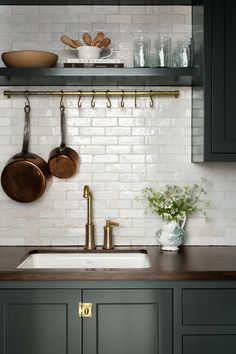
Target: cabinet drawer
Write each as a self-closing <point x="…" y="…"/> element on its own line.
<point x="214" y="344"/>
<point x="209" y="307"/>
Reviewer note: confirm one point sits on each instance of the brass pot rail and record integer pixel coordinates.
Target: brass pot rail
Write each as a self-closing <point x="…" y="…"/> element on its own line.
<point x="93" y="93"/>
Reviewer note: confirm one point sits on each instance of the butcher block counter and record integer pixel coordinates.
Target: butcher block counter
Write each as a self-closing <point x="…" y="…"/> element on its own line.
<point x="189" y="263"/>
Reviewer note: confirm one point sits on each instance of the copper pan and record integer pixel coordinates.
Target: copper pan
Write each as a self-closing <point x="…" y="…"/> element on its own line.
<point x="26" y="175"/>
<point x="63" y="161"/>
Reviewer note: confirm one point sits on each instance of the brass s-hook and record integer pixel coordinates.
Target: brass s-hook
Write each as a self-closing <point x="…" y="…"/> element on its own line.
<point x="122" y="103"/>
<point x="79" y="99"/>
<point x="93" y="100"/>
<point x="108" y="100"/>
<point x="135" y="99"/>
<point x="151" y="99"/>
<point x="27" y="104"/>
<point x="62" y="107"/>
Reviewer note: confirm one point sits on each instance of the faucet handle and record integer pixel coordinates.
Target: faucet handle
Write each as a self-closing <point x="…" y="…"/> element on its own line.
<point x="110" y="223"/>
<point x="108" y="244"/>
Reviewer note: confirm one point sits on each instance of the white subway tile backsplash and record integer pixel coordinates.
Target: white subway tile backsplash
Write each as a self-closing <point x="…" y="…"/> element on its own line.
<point x="145" y="19"/>
<point x="46" y="9"/>
<point x="118" y="19"/>
<point x="105" y="158"/>
<point x="116" y="167"/>
<point x="25" y="10"/>
<point x="108" y="28"/>
<point x="130" y="10"/>
<point x="132" y="140"/>
<point x="122" y="150"/>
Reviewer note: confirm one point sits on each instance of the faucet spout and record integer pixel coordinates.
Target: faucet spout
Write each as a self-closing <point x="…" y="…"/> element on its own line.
<point x="87" y="194"/>
<point x="86" y="191"/>
<point x="89" y="227"/>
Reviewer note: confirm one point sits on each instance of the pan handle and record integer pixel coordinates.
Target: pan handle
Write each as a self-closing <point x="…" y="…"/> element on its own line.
<point x="25" y="146"/>
<point x="63" y="127"/>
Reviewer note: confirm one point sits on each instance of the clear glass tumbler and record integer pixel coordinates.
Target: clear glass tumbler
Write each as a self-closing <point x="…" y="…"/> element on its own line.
<point x="185" y="52"/>
<point x="141" y="52"/>
<point x="163" y="51"/>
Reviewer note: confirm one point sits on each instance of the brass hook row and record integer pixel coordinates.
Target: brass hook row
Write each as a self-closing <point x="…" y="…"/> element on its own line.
<point x="94" y="93"/>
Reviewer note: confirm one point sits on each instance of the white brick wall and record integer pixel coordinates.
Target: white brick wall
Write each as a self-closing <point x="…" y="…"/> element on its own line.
<point x="122" y="150"/>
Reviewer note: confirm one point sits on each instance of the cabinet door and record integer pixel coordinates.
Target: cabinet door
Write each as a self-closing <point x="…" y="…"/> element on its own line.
<point x="223" y="120"/>
<point x="209" y="344"/>
<point x="36" y="321"/>
<point x="128" y="322"/>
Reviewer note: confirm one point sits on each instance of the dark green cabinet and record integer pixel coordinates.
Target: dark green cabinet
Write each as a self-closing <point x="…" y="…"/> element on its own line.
<point x="214" y="29"/>
<point x="128" y="322"/>
<point x="223" y="77"/>
<point x="209" y="307"/>
<point x="208" y="320"/>
<point x="209" y="344"/>
<point x="46" y="321"/>
<point x="127" y="317"/>
<point x="36" y="321"/>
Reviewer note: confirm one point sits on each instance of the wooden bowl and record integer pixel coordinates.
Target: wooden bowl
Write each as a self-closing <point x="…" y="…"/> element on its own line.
<point x="29" y="58"/>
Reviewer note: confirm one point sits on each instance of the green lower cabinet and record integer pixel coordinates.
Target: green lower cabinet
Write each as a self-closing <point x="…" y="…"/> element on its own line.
<point x="125" y="318"/>
<point x="43" y="321"/>
<point x="37" y="321"/>
<point x="128" y="322"/>
<point x="209" y="320"/>
<point x="209" y="344"/>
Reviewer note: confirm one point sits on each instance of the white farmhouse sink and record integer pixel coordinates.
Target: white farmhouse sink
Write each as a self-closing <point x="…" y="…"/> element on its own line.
<point x="86" y="260"/>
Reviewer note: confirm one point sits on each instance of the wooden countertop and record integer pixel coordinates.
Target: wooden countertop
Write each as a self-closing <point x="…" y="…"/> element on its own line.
<point x="189" y="263"/>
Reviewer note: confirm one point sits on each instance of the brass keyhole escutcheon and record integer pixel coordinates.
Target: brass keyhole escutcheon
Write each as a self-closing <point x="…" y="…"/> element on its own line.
<point x="85" y="309"/>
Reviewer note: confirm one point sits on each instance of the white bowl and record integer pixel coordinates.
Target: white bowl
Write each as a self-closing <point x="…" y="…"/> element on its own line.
<point x="89" y="52"/>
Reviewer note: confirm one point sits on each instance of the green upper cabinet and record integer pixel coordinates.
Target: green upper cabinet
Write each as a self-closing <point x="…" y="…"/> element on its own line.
<point x="214" y="124"/>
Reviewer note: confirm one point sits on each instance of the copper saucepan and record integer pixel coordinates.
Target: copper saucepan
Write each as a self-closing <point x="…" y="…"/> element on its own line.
<point x="26" y="175"/>
<point x="63" y="161"/>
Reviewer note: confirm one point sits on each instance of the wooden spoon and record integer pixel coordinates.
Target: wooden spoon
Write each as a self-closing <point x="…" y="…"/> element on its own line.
<point x="87" y="38"/>
<point x="77" y="43"/>
<point x="97" y="44"/>
<point x="99" y="37"/>
<point x="66" y="40"/>
<point x="105" y="43"/>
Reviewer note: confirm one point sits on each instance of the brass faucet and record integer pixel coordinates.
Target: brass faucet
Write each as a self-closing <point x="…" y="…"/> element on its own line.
<point x="89" y="227"/>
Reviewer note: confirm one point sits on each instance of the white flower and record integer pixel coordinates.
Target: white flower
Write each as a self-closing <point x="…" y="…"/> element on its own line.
<point x="175" y="202"/>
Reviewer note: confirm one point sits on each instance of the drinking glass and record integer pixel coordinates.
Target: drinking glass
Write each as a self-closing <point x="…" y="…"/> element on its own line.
<point x="163" y="51"/>
<point x="185" y="52"/>
<point x="141" y="52"/>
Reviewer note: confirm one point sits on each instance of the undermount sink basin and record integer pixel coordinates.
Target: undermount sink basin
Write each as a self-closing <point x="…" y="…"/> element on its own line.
<point x="86" y="260"/>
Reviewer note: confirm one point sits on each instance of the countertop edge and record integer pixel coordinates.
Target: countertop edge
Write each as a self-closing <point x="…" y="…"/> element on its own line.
<point x="189" y="263"/>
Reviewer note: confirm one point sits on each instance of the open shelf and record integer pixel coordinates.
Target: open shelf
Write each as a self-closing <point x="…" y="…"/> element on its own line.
<point x="96" y="2"/>
<point x="97" y="76"/>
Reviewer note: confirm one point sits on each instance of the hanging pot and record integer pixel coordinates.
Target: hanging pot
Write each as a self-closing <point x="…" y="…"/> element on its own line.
<point x="63" y="161"/>
<point x="26" y="175"/>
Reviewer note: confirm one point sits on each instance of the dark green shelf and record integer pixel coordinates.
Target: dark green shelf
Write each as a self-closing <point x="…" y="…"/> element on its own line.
<point x="97" y="76"/>
<point x="96" y="2"/>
